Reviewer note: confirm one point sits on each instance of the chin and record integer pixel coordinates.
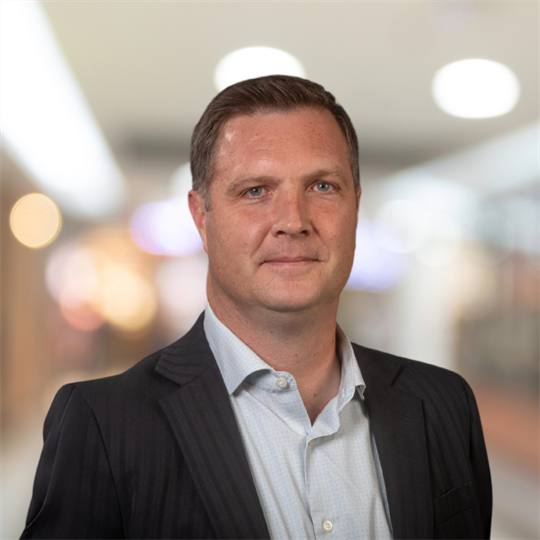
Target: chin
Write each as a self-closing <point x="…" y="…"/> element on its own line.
<point x="290" y="303"/>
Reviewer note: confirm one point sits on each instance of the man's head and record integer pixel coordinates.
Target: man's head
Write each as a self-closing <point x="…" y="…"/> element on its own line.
<point x="283" y="185"/>
<point x="276" y="93"/>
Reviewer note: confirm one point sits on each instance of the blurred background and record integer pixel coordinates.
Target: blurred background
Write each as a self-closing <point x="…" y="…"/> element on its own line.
<point x="101" y="264"/>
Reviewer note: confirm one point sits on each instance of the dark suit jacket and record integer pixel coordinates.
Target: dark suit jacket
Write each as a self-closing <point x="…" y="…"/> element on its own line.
<point x="156" y="452"/>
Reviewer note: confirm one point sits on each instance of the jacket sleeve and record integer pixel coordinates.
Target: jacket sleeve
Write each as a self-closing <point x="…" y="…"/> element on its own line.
<point x="74" y="493"/>
<point x="479" y="462"/>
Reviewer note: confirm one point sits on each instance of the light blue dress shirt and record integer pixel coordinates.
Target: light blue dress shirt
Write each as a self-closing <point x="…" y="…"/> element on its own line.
<point x="319" y="481"/>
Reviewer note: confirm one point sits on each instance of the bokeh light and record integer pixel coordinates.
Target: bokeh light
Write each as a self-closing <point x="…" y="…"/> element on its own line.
<point x="35" y="220"/>
<point x="376" y="268"/>
<point x="126" y="300"/>
<point x="408" y="221"/>
<point x="71" y="275"/>
<point x="476" y="88"/>
<point x="82" y="317"/>
<point x="432" y="193"/>
<point x="434" y="237"/>
<point x="443" y="242"/>
<point x="102" y="278"/>
<point x="253" y="62"/>
<point x="165" y="228"/>
<point x="181" y="286"/>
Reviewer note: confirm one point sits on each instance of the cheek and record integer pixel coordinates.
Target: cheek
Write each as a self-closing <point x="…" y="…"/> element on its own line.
<point x="341" y="232"/>
<point x="341" y="243"/>
<point x="234" y="235"/>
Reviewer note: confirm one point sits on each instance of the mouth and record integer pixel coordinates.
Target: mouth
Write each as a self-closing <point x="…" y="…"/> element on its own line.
<point x="296" y="261"/>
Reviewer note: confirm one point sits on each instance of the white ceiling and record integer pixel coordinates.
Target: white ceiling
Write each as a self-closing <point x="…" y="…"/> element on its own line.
<point x="146" y="68"/>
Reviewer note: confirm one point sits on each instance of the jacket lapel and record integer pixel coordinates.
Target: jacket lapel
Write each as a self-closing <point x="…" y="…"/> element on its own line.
<point x="205" y="428"/>
<point x="204" y="425"/>
<point x="397" y="422"/>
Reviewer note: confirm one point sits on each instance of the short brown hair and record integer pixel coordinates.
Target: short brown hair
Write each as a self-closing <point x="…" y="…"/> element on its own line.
<point x="264" y="94"/>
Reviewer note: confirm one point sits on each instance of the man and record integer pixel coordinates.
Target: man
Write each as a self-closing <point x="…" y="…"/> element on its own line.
<point x="264" y="421"/>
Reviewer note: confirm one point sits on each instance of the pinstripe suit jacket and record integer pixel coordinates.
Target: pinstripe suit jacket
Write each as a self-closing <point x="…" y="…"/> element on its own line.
<point x="156" y="452"/>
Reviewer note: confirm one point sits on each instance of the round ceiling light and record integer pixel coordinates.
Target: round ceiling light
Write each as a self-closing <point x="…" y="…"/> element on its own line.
<point x="253" y="62"/>
<point x="476" y="89"/>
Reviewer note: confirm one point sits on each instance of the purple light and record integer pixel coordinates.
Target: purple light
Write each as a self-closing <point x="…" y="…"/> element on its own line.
<point x="165" y="228"/>
<point x="375" y="267"/>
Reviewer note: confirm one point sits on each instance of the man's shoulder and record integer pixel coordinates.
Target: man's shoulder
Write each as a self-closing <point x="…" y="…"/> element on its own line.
<point x="441" y="391"/>
<point x="406" y="373"/>
<point x="137" y="384"/>
<point x="128" y="403"/>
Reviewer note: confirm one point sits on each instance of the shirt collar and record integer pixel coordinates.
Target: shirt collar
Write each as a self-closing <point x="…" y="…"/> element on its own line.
<point x="351" y="376"/>
<point x="237" y="361"/>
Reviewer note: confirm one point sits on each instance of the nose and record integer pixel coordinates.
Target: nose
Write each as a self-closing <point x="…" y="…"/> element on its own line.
<point x="291" y="214"/>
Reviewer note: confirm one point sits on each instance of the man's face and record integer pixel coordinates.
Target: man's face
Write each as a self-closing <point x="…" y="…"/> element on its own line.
<point x="280" y="234"/>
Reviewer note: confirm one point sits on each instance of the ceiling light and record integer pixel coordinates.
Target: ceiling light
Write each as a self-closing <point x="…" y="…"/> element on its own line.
<point x="476" y="89"/>
<point x="255" y="62"/>
<point x="47" y="125"/>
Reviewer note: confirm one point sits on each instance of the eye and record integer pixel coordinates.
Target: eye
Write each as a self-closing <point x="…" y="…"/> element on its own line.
<point x="255" y="191"/>
<point x="326" y="187"/>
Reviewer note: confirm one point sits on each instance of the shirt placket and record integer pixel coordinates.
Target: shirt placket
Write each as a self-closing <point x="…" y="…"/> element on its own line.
<point x="325" y="513"/>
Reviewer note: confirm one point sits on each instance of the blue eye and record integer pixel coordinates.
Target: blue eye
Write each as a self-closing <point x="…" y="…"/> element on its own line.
<point x="328" y="186"/>
<point x="255" y="191"/>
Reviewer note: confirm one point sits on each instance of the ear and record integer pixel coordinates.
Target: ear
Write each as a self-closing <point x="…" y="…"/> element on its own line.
<point x="358" y="195"/>
<point x="198" y="213"/>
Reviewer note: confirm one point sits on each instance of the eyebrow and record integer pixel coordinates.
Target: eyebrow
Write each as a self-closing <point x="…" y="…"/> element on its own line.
<point x="320" y="173"/>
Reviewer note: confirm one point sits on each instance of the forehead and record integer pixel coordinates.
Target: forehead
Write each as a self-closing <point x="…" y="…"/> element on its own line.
<point x="291" y="138"/>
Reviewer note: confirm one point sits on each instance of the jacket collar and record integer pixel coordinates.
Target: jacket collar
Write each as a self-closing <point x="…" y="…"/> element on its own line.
<point x="185" y="359"/>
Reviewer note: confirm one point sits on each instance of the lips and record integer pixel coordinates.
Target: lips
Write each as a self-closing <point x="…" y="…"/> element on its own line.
<point x="291" y="259"/>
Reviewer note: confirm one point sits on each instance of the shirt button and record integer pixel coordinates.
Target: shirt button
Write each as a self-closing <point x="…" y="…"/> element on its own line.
<point x="327" y="526"/>
<point x="282" y="382"/>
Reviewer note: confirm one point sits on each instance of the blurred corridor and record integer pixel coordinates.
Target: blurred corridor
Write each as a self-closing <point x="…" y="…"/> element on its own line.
<point x="103" y="265"/>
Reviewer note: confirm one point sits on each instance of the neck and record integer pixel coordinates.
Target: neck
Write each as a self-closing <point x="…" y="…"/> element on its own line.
<point x="302" y="343"/>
